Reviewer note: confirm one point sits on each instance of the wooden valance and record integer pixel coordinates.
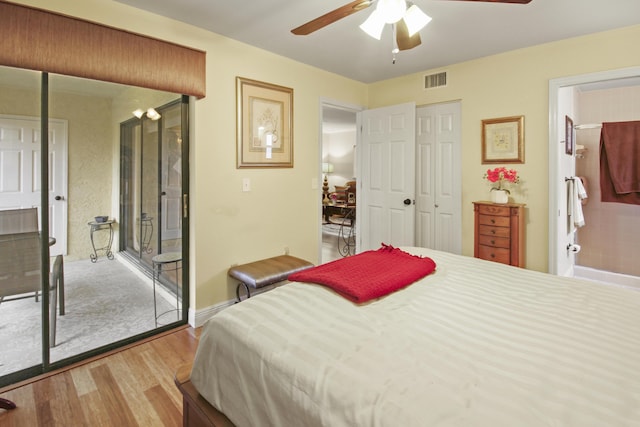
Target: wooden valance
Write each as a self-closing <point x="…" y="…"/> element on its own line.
<point x="40" y="40"/>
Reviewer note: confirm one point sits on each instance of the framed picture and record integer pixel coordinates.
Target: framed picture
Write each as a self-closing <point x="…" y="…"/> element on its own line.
<point x="264" y="125"/>
<point x="569" y="142"/>
<point x="503" y="140"/>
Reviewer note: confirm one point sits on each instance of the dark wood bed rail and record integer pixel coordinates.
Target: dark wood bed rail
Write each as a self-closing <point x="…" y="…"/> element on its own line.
<point x="196" y="411"/>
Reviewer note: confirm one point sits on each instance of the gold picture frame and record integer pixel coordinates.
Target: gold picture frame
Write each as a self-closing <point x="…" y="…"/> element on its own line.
<point x="568" y="135"/>
<point x="264" y="125"/>
<point x="503" y="140"/>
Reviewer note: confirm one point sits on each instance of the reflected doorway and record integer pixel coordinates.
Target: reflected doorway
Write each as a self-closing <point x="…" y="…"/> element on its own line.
<point x="151" y="184"/>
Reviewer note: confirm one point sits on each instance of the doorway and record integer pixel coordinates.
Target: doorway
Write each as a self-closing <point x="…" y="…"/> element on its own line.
<point x="570" y="96"/>
<point x="20" y="188"/>
<point x="339" y="198"/>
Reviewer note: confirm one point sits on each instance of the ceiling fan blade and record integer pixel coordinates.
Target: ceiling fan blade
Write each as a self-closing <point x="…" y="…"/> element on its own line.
<point x="502" y="1"/>
<point x="404" y="41"/>
<point x="331" y="17"/>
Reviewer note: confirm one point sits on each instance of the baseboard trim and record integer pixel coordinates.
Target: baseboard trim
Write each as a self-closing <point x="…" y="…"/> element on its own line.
<point x="198" y="318"/>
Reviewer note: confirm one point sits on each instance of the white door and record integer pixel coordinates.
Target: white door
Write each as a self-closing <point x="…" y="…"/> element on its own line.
<point x="438" y="177"/>
<point x="386" y="193"/>
<point x="20" y="171"/>
<point x="171" y="175"/>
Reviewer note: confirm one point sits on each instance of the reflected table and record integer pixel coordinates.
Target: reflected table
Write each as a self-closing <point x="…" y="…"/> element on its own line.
<point x="166" y="262"/>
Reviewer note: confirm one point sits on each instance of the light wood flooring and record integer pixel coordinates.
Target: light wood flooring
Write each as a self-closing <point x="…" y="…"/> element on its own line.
<point x="129" y="387"/>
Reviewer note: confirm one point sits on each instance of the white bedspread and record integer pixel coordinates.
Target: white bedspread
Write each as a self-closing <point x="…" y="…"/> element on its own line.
<point x="475" y="344"/>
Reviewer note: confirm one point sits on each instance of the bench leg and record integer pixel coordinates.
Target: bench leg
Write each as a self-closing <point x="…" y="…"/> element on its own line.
<point x="6" y="404"/>
<point x="246" y="288"/>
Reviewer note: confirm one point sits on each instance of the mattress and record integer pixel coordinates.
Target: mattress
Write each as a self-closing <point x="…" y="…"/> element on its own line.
<point x="475" y="343"/>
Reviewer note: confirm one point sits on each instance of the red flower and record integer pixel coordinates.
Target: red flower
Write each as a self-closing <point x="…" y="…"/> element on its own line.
<point x="502" y="175"/>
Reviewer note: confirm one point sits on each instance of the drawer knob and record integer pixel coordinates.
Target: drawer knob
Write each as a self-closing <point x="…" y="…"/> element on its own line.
<point x="493" y="255"/>
<point x="493" y="242"/>
<point x="493" y="221"/>
<point x="493" y="231"/>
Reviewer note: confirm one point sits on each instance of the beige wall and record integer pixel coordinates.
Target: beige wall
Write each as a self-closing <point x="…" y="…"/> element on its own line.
<point x="509" y="84"/>
<point x="229" y="226"/>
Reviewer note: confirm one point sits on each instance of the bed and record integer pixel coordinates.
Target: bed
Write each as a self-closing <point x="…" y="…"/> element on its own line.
<point x="474" y="343"/>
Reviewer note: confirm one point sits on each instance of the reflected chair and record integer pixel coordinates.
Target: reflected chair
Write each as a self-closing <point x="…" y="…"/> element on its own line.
<point x="21" y="266"/>
<point x="18" y="220"/>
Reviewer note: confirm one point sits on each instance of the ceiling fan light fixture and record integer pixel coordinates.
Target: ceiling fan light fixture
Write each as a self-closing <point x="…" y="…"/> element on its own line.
<point x="415" y="19"/>
<point x="373" y="25"/>
<point x="392" y="10"/>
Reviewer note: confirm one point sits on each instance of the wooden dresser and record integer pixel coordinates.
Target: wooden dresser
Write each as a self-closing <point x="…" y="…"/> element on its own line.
<point x="499" y="232"/>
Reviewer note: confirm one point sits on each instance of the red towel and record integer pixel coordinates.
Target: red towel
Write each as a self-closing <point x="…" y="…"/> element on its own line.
<point x="370" y="274"/>
<point x="620" y="162"/>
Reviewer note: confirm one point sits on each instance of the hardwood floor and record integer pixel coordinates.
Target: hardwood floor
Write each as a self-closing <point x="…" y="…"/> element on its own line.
<point x="129" y="387"/>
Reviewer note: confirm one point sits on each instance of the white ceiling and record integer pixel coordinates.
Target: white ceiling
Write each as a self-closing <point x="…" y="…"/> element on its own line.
<point x="460" y="30"/>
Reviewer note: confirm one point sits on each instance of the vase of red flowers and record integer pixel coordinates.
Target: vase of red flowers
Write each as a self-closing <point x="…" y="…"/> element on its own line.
<point x="501" y="177"/>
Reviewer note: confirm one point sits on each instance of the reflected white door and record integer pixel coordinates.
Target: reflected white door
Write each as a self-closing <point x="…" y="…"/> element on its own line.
<point x="171" y="175"/>
<point x="386" y="211"/>
<point x="438" y="178"/>
<point x="20" y="171"/>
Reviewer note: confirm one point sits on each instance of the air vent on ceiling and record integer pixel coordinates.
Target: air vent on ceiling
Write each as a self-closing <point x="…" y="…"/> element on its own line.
<point x="435" y="80"/>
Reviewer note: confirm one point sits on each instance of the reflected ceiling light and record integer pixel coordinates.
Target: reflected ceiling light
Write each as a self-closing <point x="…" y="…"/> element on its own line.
<point x="138" y="113"/>
<point x="392" y="11"/>
<point x="153" y="114"/>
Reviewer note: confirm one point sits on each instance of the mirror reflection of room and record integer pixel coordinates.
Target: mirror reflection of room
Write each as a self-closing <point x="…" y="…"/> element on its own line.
<point x="104" y="188"/>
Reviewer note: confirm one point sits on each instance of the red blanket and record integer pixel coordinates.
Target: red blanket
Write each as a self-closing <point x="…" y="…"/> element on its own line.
<point x="370" y="274"/>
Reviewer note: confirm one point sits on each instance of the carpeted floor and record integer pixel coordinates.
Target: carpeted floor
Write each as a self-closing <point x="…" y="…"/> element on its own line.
<point x="105" y="302"/>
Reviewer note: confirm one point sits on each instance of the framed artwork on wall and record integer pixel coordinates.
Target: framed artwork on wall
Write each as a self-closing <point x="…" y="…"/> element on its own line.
<point x="264" y="124"/>
<point x="569" y="142"/>
<point x="503" y="140"/>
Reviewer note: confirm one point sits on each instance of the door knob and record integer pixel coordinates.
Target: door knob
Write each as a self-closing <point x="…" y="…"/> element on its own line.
<point x="407" y="202"/>
<point x="59" y="198"/>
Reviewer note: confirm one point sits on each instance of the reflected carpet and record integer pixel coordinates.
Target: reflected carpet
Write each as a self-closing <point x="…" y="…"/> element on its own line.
<point x="104" y="302"/>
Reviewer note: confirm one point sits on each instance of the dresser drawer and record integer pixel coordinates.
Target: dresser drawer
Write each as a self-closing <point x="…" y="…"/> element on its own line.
<point x="494" y="254"/>
<point x="500" y="221"/>
<point x="496" y="242"/>
<point x="494" y="210"/>
<point x="489" y="230"/>
<point x="499" y="232"/>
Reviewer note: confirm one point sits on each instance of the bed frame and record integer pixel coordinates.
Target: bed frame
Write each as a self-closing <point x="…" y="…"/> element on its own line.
<point x="196" y="411"/>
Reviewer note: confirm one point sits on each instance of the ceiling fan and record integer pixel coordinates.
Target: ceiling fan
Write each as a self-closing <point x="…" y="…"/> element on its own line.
<point x="406" y="21"/>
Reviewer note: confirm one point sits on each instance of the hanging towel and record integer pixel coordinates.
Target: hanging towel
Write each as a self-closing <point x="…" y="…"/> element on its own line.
<point x="620" y="162"/>
<point x="586" y="189"/>
<point x="578" y="194"/>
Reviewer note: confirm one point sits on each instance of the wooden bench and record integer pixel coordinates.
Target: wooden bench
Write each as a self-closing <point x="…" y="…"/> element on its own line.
<point x="265" y="272"/>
